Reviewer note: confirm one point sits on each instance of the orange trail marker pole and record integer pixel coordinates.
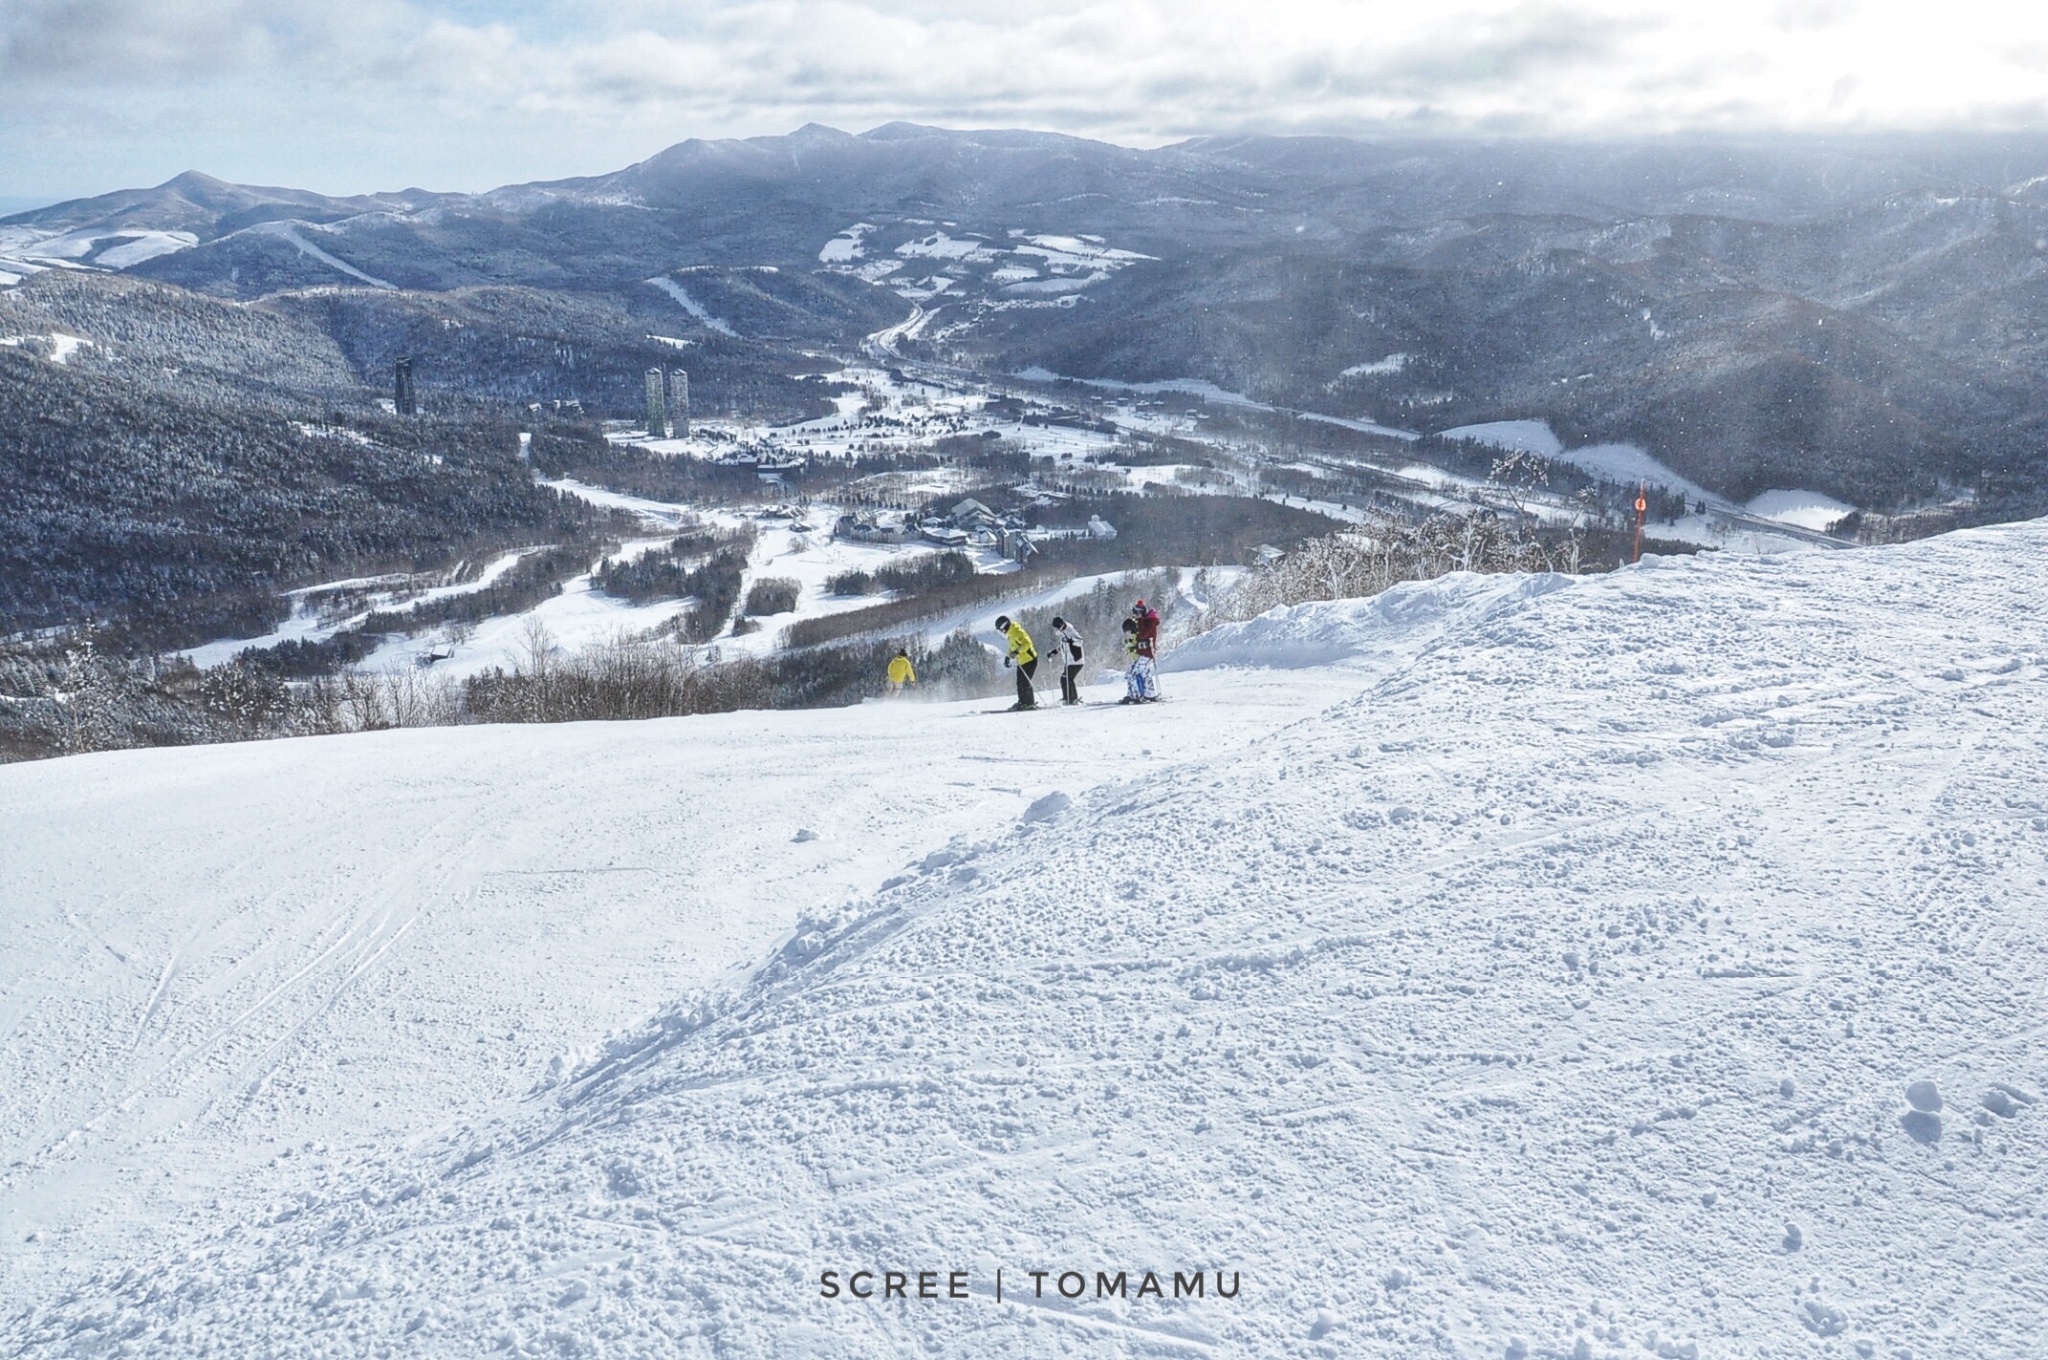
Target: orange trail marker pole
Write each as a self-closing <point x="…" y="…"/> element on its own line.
<point x="1642" y="505"/>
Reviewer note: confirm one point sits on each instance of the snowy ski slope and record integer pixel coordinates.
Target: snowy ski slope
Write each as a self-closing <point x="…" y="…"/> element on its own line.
<point x="1517" y="967"/>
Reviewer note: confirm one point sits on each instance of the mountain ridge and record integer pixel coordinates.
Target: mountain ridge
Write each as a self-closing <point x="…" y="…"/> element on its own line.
<point x="1651" y="292"/>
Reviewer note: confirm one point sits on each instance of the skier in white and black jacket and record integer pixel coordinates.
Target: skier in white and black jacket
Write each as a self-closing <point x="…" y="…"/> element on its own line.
<point x="1068" y="644"/>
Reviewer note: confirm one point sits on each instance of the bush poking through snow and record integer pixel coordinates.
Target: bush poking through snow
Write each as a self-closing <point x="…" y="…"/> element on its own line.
<point x="1385" y="551"/>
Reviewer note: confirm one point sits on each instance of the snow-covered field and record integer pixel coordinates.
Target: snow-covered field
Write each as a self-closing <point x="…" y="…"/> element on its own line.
<point x="1806" y="509"/>
<point x="1500" y="967"/>
<point x="1210" y="393"/>
<point x="1622" y="463"/>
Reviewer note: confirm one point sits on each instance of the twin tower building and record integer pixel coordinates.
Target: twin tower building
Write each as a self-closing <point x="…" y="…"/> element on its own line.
<point x="668" y="399"/>
<point x="668" y="403"/>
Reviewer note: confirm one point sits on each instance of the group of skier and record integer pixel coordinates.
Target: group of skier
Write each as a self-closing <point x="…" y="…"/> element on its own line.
<point x="1141" y="650"/>
<point x="1141" y="655"/>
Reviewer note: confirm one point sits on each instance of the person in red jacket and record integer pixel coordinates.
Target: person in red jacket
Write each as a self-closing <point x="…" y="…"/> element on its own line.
<point x="1147" y="664"/>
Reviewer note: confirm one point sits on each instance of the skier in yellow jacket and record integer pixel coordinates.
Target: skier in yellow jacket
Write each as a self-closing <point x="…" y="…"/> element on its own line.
<point x="1024" y="657"/>
<point x="901" y="672"/>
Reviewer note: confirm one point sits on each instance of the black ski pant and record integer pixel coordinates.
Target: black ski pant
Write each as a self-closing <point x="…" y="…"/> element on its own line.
<point x="1070" y="683"/>
<point x="1027" y="697"/>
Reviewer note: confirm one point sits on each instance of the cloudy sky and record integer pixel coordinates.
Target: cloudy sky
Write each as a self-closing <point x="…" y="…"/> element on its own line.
<point x="463" y="94"/>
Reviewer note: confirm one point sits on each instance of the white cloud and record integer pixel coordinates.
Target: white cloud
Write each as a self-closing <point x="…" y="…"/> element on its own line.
<point x="574" y="74"/>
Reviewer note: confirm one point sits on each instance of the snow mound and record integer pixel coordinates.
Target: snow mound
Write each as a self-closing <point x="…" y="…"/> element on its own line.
<point x="1325" y="633"/>
<point x="1536" y="1001"/>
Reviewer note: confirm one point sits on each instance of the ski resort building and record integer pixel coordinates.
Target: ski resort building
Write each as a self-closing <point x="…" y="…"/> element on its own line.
<point x="657" y="404"/>
<point x="403" y="398"/>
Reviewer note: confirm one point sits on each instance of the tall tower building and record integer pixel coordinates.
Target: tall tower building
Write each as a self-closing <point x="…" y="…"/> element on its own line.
<point x="657" y="405"/>
<point x="679" y="381"/>
<point x="402" y="396"/>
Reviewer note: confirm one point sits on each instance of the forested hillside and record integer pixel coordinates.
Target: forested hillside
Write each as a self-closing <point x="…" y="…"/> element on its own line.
<point x="120" y="500"/>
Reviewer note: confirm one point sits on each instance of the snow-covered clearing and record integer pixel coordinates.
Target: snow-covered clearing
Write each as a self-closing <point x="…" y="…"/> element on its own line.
<point x="1211" y="394"/>
<point x="1622" y="463"/>
<point x="308" y="622"/>
<point x="847" y="246"/>
<point x="664" y="513"/>
<point x="690" y="304"/>
<point x="1805" y="509"/>
<point x="1510" y="966"/>
<point x="140" y="246"/>
<point x="976" y="269"/>
<point x="940" y="246"/>
<point x="292" y="233"/>
<point x="1393" y="363"/>
<point x="581" y="616"/>
<point x="1192" y="387"/>
<point x="61" y="346"/>
<point x="1516" y="436"/>
<point x="34" y="248"/>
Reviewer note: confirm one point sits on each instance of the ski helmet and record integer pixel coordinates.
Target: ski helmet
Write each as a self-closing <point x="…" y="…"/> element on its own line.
<point x="1002" y="622"/>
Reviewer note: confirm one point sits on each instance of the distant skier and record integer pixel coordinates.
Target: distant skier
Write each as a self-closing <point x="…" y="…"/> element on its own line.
<point x="1147" y="665"/>
<point x="1134" y="679"/>
<point x="1067" y="642"/>
<point x="1023" y="657"/>
<point x="901" y="672"/>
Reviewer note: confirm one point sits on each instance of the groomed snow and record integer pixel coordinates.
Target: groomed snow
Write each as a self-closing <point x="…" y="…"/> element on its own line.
<point x="279" y="954"/>
<point x="1502" y="967"/>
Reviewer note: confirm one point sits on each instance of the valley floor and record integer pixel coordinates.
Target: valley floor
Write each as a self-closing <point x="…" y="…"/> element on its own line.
<point x="1498" y="967"/>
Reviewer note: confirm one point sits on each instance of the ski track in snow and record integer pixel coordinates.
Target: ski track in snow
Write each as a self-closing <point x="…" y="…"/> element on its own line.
<point x="289" y="233"/>
<point x="690" y="304"/>
<point x="1549" y="984"/>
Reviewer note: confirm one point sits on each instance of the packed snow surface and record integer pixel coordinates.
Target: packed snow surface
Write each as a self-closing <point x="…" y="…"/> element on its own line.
<point x="1639" y="965"/>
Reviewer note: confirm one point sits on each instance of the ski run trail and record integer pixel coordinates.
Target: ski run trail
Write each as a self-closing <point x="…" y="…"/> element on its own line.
<point x="1501" y="967"/>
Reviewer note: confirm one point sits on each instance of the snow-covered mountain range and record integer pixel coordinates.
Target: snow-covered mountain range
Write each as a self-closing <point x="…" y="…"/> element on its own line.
<point x="1646" y="964"/>
<point x="1860" y="317"/>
